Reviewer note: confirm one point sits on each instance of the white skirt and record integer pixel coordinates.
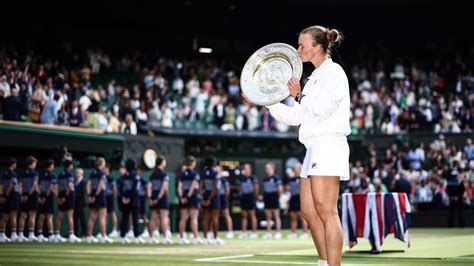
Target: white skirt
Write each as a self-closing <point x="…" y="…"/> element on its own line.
<point x="327" y="155"/>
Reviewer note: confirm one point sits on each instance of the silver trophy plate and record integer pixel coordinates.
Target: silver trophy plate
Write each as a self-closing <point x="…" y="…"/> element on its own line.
<point x="266" y="73"/>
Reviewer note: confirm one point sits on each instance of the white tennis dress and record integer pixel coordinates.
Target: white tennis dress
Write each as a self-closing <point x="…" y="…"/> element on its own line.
<point x="323" y="117"/>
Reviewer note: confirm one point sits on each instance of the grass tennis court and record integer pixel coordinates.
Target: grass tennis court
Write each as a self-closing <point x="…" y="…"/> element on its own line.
<point x="429" y="247"/>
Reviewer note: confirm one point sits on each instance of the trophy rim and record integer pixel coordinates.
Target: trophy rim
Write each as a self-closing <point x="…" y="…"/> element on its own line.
<point x="246" y="78"/>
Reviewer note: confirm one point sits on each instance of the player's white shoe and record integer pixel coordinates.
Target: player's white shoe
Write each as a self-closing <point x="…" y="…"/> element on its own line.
<point x="32" y="237"/>
<point x="197" y="241"/>
<point x="130" y="234"/>
<point x="153" y="240"/>
<point x="229" y="235"/>
<point x="139" y="240"/>
<point x="22" y="238"/>
<point x="304" y="236"/>
<point x="4" y="239"/>
<point x="183" y="241"/>
<point x="106" y="240"/>
<point x="277" y="236"/>
<point x="91" y="239"/>
<point x="74" y="239"/>
<point x="125" y="240"/>
<point x="253" y="236"/>
<point x="14" y="237"/>
<point x="242" y="235"/>
<point x="41" y="238"/>
<point x="267" y="236"/>
<point x="60" y="239"/>
<point x="219" y="241"/>
<point x="292" y="236"/>
<point x="52" y="238"/>
<point x="167" y="240"/>
<point x="145" y="234"/>
<point x="114" y="233"/>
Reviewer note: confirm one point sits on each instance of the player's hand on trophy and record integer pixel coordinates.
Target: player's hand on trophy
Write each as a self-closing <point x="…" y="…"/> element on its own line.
<point x="294" y="86"/>
<point x="245" y="99"/>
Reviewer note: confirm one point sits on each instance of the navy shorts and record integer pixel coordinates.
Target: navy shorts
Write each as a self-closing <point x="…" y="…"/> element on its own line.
<point x="110" y="203"/>
<point x="31" y="204"/>
<point x="142" y="204"/>
<point x="271" y="200"/>
<point x="247" y="201"/>
<point x="295" y="203"/>
<point x="68" y="203"/>
<point x="48" y="206"/>
<point x="13" y="202"/>
<point x="215" y="201"/>
<point x="224" y="202"/>
<point x="193" y="202"/>
<point x="100" y="201"/>
<point x="162" y="203"/>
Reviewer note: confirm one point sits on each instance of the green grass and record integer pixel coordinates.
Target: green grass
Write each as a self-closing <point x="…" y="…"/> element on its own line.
<point x="428" y="247"/>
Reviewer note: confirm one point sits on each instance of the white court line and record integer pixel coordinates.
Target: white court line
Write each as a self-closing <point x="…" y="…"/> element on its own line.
<point x="230" y="259"/>
<point x="224" y="258"/>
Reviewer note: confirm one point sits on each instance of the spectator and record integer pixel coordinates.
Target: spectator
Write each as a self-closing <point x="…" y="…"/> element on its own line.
<point x="101" y="119"/>
<point x="469" y="149"/>
<point x="167" y="116"/>
<point x="111" y="92"/>
<point x="128" y="126"/>
<point x="154" y="115"/>
<point x="4" y="86"/>
<point x="49" y="115"/>
<point x="39" y="97"/>
<point x="455" y="191"/>
<point x="12" y="106"/>
<point x="141" y="115"/>
<point x="219" y="112"/>
<point x="114" y="124"/>
<point x="178" y="85"/>
<point x="63" y="115"/>
<point x="415" y="157"/>
<point x="401" y="184"/>
<point x="75" y="115"/>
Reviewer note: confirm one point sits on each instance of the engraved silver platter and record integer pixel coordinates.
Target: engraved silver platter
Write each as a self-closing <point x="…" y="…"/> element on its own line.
<point x="266" y="73"/>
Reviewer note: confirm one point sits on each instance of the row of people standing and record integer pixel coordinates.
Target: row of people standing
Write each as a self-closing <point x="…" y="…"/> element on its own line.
<point x="210" y="190"/>
<point x="34" y="197"/>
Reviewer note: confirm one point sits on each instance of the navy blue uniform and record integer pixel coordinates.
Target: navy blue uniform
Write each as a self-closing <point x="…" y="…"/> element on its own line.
<point x="65" y="181"/>
<point x="13" y="200"/>
<point x="95" y="177"/>
<point x="157" y="179"/>
<point x="109" y="193"/>
<point x="186" y="178"/>
<point x="46" y="181"/>
<point x="141" y="193"/>
<point x="223" y="198"/>
<point x="31" y="204"/>
<point x="247" y="191"/>
<point x="209" y="178"/>
<point x="271" y="197"/>
<point x="129" y="187"/>
<point x="294" y="183"/>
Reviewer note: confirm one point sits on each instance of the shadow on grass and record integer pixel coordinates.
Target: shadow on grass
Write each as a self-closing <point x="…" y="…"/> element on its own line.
<point x="373" y="252"/>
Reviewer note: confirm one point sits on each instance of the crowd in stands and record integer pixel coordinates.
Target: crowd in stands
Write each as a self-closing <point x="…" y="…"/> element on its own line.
<point x="437" y="176"/>
<point x="136" y="91"/>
